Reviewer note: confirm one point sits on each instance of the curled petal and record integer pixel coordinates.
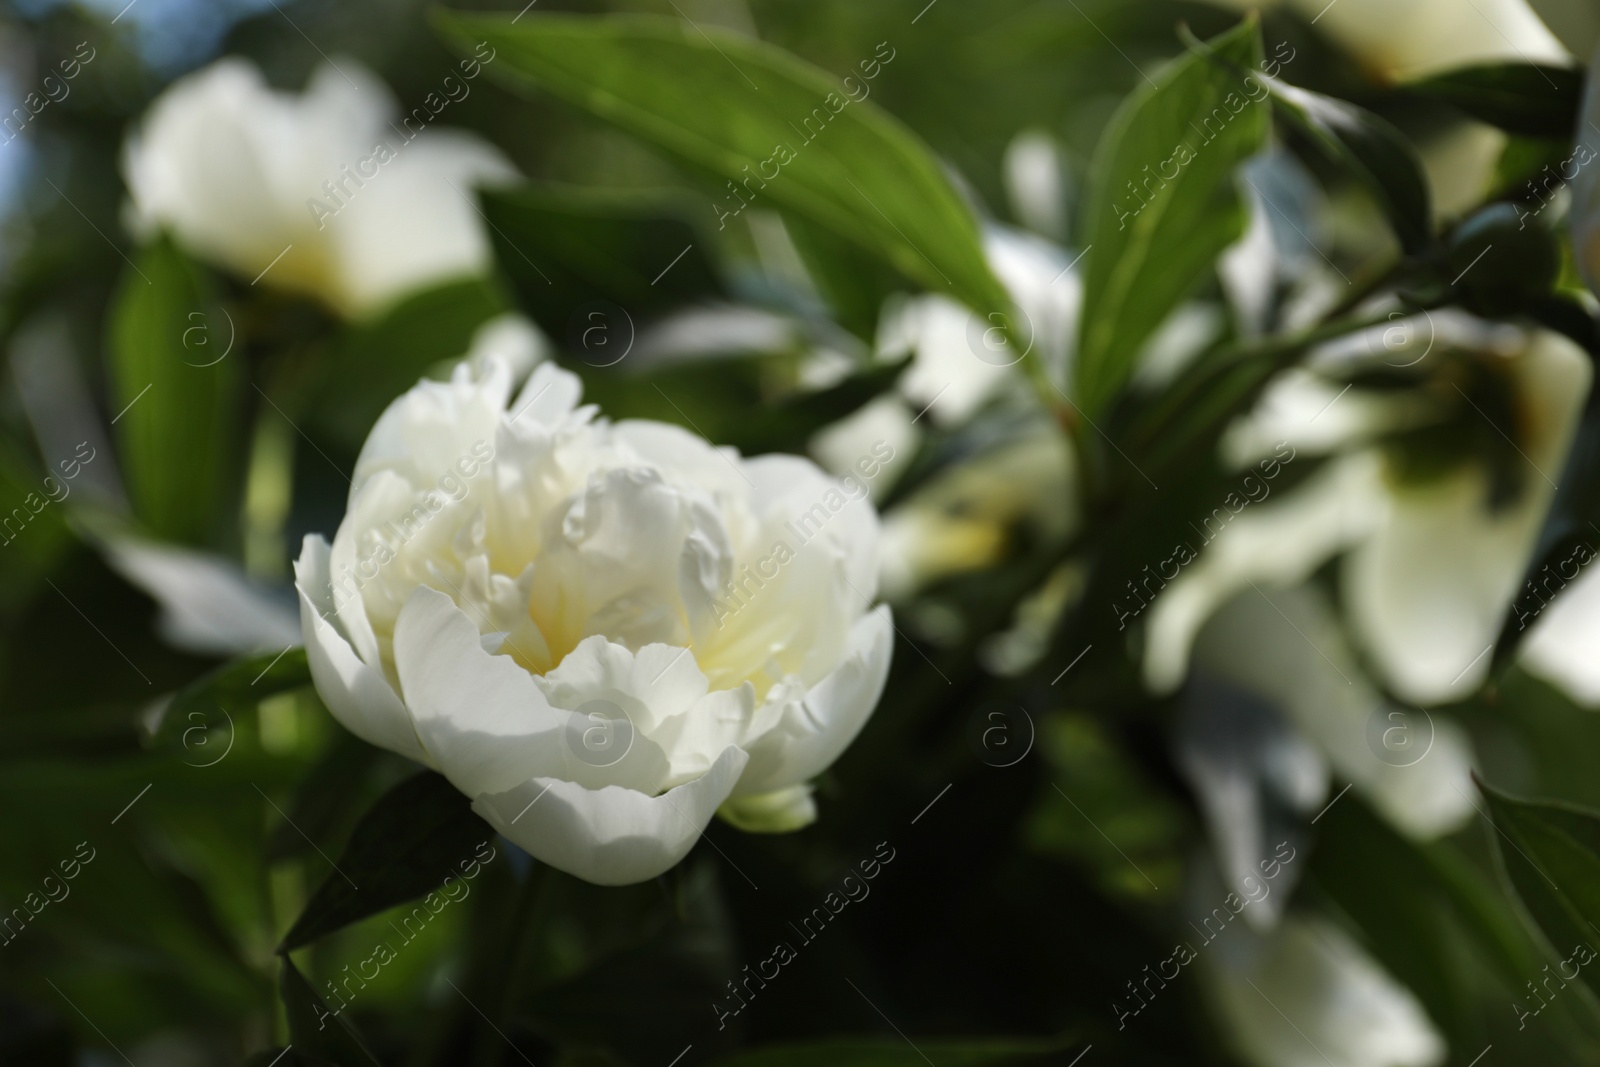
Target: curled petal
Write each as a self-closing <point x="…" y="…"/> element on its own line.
<point x="806" y="734"/>
<point x="486" y="724"/>
<point x="357" y="694"/>
<point x="614" y="835"/>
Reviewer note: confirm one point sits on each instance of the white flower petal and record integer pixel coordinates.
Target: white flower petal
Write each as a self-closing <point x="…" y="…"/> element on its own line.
<point x="1287" y="647"/>
<point x="1402" y="42"/>
<point x="1428" y="592"/>
<point x="430" y="184"/>
<point x="1275" y="542"/>
<point x="481" y="718"/>
<point x="610" y="836"/>
<point x="1564" y="647"/>
<point x="357" y="694"/>
<point x="1308" y="996"/>
<point x="809" y="732"/>
<point x="427" y="431"/>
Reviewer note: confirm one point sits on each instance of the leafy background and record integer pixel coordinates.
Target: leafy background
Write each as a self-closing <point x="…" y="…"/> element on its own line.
<point x="246" y="851"/>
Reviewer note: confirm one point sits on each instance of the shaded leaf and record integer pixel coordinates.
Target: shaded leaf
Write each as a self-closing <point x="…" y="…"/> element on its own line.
<point x="567" y="248"/>
<point x="1161" y="203"/>
<point x="1376" y="154"/>
<point x="374" y="362"/>
<point x="175" y="394"/>
<point x="717" y="403"/>
<point x="753" y="113"/>
<point x="1530" y="100"/>
<point x="1551" y="855"/>
<point x="853" y="283"/>
<point x="233" y="688"/>
<point x="317" y="1034"/>
<point x="417" y="834"/>
<point x="1418" y="935"/>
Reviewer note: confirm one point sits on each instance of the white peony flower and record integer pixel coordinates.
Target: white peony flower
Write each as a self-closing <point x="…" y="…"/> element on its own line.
<point x="601" y="632"/>
<point x="330" y="193"/>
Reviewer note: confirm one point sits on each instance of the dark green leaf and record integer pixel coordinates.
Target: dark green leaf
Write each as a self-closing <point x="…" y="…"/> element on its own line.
<point x="314" y="1031"/>
<point x="568" y="248"/>
<point x="1375" y="153"/>
<point x="1551" y="855"/>
<point x="1420" y="935"/>
<point x="418" y="833"/>
<point x="175" y="391"/>
<point x="374" y="362"/>
<point x="715" y="399"/>
<point x="326" y="802"/>
<point x="853" y="283"/>
<point x="234" y="688"/>
<point x="1522" y="98"/>
<point x="1161" y="203"/>
<point x="785" y="131"/>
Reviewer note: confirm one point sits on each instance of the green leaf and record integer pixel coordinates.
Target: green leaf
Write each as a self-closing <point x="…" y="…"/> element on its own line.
<point x="1529" y="100"/>
<point x="374" y="362"/>
<point x="853" y="284"/>
<point x="1096" y="786"/>
<point x="1161" y="203"/>
<point x="1551" y="856"/>
<point x="175" y="393"/>
<point x="752" y="113"/>
<point x="417" y="835"/>
<point x="1375" y="153"/>
<point x="715" y="398"/>
<point x="314" y="1031"/>
<point x="894" y="1052"/>
<point x="569" y="248"/>
<point x="1420" y="935"/>
<point x="234" y="688"/>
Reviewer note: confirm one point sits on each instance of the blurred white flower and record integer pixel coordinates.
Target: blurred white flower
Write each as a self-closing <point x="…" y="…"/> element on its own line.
<point x="602" y="633"/>
<point x="962" y="361"/>
<point x="1404" y="41"/>
<point x="1585" y="183"/>
<point x="1306" y="995"/>
<point x="1038" y="183"/>
<point x="1564" y="647"/>
<point x="1288" y="650"/>
<point x="964" y="517"/>
<point x="320" y="193"/>
<point x="1435" y="557"/>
